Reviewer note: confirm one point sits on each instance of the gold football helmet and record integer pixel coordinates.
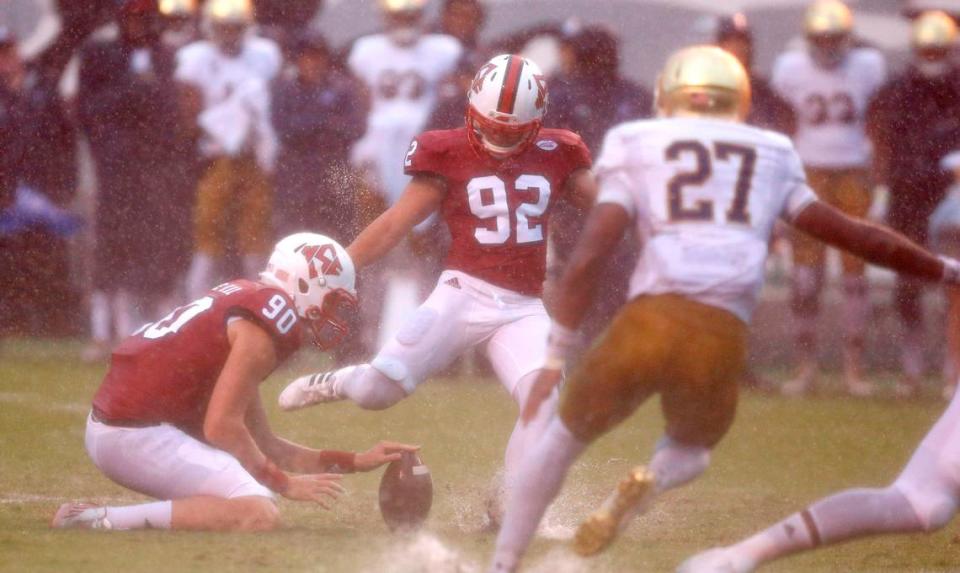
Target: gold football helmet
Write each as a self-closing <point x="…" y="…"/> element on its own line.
<point x="392" y="6"/>
<point x="229" y="11"/>
<point x="933" y="30"/>
<point x="177" y="7"/>
<point x="828" y="18"/>
<point x="703" y="81"/>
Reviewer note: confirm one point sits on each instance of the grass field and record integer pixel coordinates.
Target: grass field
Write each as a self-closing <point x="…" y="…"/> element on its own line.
<point x="780" y="455"/>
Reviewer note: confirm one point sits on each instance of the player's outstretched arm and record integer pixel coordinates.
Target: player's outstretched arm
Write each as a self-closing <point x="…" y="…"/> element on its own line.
<point x="874" y="243"/>
<point x="420" y="198"/>
<point x="252" y="357"/>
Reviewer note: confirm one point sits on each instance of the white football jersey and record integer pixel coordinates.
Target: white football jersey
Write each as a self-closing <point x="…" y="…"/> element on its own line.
<point x="831" y="105"/>
<point x="403" y="83"/>
<point x="704" y="195"/>
<point x="219" y="76"/>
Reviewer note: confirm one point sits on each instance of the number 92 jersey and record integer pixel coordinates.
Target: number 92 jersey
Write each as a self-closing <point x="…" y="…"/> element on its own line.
<point x="704" y="195"/>
<point x="497" y="211"/>
<point x="166" y="371"/>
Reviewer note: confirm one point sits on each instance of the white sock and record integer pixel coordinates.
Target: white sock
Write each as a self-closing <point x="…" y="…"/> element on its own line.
<point x="525" y="436"/>
<point x="538" y="482"/>
<point x="200" y="275"/>
<point x="847" y="515"/>
<point x="156" y="515"/>
<point x="675" y="464"/>
<point x="100" y="317"/>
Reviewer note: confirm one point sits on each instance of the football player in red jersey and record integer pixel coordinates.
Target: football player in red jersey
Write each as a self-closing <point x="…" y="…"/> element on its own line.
<point x="179" y="417"/>
<point x="494" y="182"/>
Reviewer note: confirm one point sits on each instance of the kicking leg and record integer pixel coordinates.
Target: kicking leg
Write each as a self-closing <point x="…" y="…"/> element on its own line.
<point x="437" y="333"/>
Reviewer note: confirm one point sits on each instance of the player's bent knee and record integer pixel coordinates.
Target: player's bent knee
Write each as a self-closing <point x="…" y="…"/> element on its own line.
<point x="375" y="391"/>
<point x="254" y="514"/>
<point x="933" y="505"/>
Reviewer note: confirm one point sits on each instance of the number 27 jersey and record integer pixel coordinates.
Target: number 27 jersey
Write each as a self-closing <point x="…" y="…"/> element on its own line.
<point x="166" y="371"/>
<point x="497" y="211"/>
<point x="704" y="195"/>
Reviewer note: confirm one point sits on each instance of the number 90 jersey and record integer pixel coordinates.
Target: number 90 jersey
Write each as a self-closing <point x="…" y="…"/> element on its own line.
<point x="497" y="211"/>
<point x="166" y="371"/>
<point x="831" y="105"/>
<point x="704" y="195"/>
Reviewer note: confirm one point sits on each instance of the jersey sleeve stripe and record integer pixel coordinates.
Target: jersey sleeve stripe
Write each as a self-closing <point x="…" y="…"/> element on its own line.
<point x="511" y="85"/>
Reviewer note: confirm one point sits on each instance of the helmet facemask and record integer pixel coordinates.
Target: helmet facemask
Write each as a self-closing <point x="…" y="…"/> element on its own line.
<point x="500" y="139"/>
<point x="329" y="322"/>
<point x="828" y="50"/>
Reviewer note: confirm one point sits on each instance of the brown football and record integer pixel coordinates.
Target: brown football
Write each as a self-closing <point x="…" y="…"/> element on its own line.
<point x="406" y="493"/>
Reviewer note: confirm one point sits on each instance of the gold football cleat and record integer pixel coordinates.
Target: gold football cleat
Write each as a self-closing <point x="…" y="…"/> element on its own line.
<point x="603" y="525"/>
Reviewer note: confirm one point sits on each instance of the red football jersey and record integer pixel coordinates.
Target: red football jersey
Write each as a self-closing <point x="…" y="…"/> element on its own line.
<point x="497" y="211"/>
<point x="166" y="371"/>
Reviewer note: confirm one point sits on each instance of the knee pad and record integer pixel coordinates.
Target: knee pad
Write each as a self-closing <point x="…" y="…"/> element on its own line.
<point x="934" y="504"/>
<point x="805" y="284"/>
<point x="396" y="371"/>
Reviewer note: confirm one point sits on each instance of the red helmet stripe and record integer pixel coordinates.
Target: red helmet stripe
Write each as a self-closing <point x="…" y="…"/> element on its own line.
<point x="511" y="85"/>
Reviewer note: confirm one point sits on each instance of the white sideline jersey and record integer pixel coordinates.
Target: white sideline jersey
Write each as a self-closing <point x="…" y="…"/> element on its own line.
<point x="219" y="76"/>
<point x="831" y="105"/>
<point x="403" y="83"/>
<point x="704" y="195"/>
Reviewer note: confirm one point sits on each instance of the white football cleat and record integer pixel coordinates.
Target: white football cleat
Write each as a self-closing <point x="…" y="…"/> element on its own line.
<point x="74" y="515"/>
<point x="309" y="390"/>
<point x="716" y="560"/>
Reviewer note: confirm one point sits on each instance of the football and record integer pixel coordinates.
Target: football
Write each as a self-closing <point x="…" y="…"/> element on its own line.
<point x="406" y="493"/>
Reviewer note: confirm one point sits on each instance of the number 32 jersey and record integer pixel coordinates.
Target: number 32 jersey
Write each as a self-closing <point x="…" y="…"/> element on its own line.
<point x="497" y="211"/>
<point x="166" y="371"/>
<point x="704" y="196"/>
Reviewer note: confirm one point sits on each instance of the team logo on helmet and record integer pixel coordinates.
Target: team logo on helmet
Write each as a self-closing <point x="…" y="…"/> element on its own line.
<point x="325" y="255"/>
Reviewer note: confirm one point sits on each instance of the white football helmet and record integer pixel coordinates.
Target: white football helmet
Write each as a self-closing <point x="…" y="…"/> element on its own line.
<point x="507" y="101"/>
<point x="317" y="273"/>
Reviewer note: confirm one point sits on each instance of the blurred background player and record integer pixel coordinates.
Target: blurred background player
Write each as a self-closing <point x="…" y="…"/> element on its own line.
<point x="401" y="68"/>
<point x="588" y="97"/>
<point x="318" y="115"/>
<point x="944" y="238"/>
<point x="225" y="99"/>
<point x="179" y="417"/>
<point x="127" y="107"/>
<point x="703" y="192"/>
<point x="829" y="86"/>
<point x="913" y="124"/>
<point x="767" y="109"/>
<point x="495" y="181"/>
<point x="180" y="23"/>
<point x="463" y="20"/>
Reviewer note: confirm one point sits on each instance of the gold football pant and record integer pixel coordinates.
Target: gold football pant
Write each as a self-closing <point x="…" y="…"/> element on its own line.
<point x="847" y="190"/>
<point x="691" y="353"/>
<point x="233" y="201"/>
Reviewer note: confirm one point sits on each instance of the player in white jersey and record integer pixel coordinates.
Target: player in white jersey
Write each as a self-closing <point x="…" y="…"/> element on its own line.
<point x="402" y="69"/>
<point x="703" y="192"/>
<point x="225" y="83"/>
<point x="829" y="86"/>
